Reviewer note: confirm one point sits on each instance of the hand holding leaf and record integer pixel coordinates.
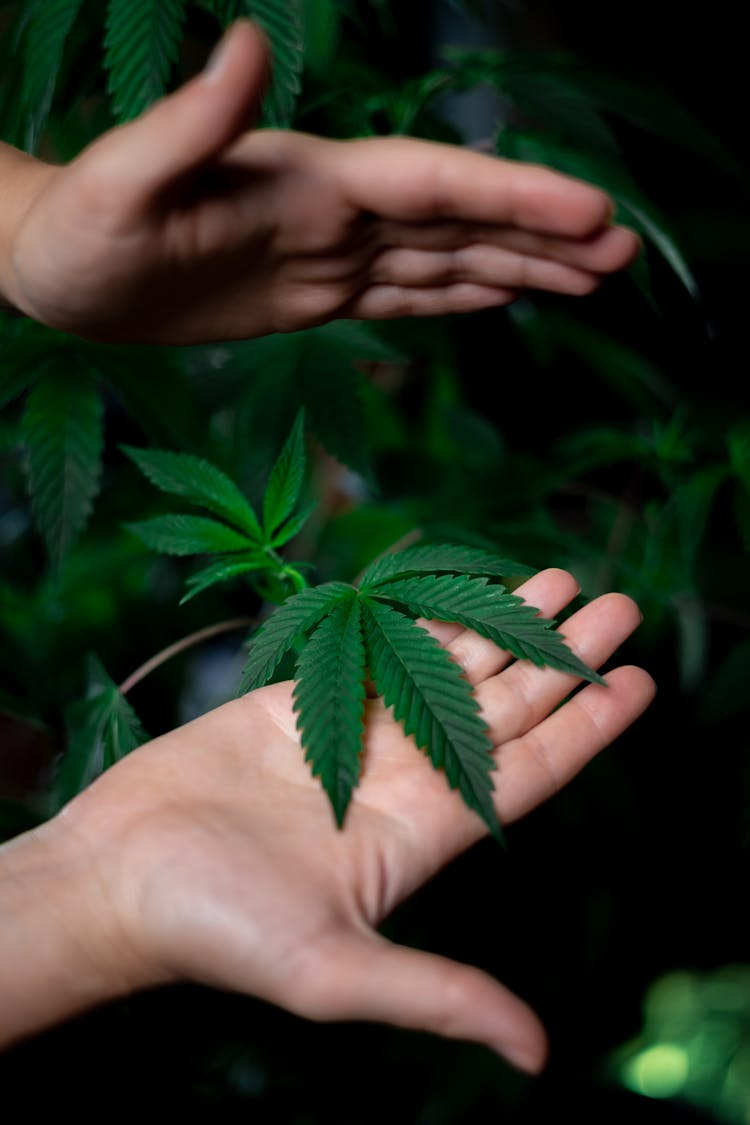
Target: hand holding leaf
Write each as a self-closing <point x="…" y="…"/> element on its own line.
<point x="215" y="857"/>
<point x="352" y="629"/>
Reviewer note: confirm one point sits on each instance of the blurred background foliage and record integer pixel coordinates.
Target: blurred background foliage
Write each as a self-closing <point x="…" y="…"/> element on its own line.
<point x="609" y="435"/>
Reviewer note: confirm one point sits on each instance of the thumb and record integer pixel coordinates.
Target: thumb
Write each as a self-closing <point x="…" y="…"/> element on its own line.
<point x="184" y="130"/>
<point x="367" y="977"/>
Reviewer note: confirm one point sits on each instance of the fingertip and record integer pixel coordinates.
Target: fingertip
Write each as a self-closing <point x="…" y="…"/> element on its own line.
<point x="529" y="1055"/>
<point x="639" y="683"/>
<point x="239" y="38"/>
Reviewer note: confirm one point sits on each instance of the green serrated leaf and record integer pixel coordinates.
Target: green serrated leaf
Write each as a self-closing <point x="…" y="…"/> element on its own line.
<point x="199" y="482"/>
<point x="102" y="728"/>
<point x="503" y="618"/>
<point x="286" y="478"/>
<point x="285" y="626"/>
<point x="62" y="430"/>
<point x="293" y="526"/>
<point x="221" y="571"/>
<point x="142" y="42"/>
<point x="47" y="27"/>
<point x="188" y="535"/>
<point x="329" y="699"/>
<point x="454" y="558"/>
<point x="282" y="21"/>
<point x="434" y="702"/>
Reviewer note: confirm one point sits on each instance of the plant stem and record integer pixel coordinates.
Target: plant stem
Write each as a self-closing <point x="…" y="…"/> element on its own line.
<point x="180" y="646"/>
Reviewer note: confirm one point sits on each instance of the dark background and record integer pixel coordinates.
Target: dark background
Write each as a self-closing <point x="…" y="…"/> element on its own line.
<point x="640" y="867"/>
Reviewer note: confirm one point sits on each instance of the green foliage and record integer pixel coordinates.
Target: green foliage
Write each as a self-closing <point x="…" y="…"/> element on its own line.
<point x="47" y="25"/>
<point x="329" y="698"/>
<point x="349" y="630"/>
<point x="102" y="729"/>
<point x="434" y="703"/>
<point x="489" y="611"/>
<point x="142" y="42"/>
<point x="320" y="370"/>
<point x="286" y="628"/>
<point x="62" y="432"/>
<point x="447" y="558"/>
<point x="247" y="547"/>
<point x="282" y="22"/>
<point x="189" y="535"/>
<point x="588" y="434"/>
<point x="285" y="481"/>
<point x="199" y="483"/>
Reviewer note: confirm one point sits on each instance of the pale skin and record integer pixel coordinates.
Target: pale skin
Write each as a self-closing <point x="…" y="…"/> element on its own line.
<point x="211" y="854"/>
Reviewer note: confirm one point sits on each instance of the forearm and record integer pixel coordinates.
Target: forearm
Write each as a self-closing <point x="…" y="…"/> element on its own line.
<point x="21" y="178"/>
<point x="57" y="940"/>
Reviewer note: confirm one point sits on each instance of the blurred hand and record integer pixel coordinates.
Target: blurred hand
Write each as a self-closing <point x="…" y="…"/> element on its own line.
<point x="211" y="854"/>
<point x="182" y="227"/>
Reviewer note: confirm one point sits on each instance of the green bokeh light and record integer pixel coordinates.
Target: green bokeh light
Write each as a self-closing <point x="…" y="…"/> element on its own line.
<point x="695" y="1043"/>
<point x="659" y="1072"/>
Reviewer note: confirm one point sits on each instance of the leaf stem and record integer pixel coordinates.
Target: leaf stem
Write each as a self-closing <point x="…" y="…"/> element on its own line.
<point x="180" y="646"/>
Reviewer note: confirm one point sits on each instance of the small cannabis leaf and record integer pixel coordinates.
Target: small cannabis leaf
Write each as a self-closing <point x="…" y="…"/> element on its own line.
<point x="142" y="43"/>
<point x="102" y="728"/>
<point x="341" y="631"/>
<point x="245" y="544"/>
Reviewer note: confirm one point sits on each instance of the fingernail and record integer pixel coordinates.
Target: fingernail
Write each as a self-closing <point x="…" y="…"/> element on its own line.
<point x="214" y="67"/>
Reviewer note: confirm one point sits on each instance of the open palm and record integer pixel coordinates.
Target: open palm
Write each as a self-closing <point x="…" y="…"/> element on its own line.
<point x="224" y="865"/>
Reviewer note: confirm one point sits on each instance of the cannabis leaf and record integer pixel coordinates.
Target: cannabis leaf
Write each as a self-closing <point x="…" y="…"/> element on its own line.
<point x="282" y="22"/>
<point x="453" y="559"/>
<point x="246" y="545"/>
<point x="330" y="698"/>
<point x="339" y="631"/>
<point x="142" y="42"/>
<point x="102" y="728"/>
<point x="288" y="625"/>
<point x="319" y="367"/>
<point x="46" y="27"/>
<point x="63" y="435"/>
<point x="188" y="535"/>
<point x="434" y="703"/>
<point x="198" y="482"/>
<point x="286" y="478"/>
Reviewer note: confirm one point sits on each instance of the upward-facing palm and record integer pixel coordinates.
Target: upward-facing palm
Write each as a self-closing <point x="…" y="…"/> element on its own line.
<point x="222" y="859"/>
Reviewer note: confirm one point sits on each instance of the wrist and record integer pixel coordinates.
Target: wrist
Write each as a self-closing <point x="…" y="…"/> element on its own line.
<point x="62" y="945"/>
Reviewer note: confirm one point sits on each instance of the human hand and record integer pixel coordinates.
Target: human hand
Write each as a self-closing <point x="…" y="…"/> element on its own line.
<point x="211" y="854"/>
<point x="182" y="227"/>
